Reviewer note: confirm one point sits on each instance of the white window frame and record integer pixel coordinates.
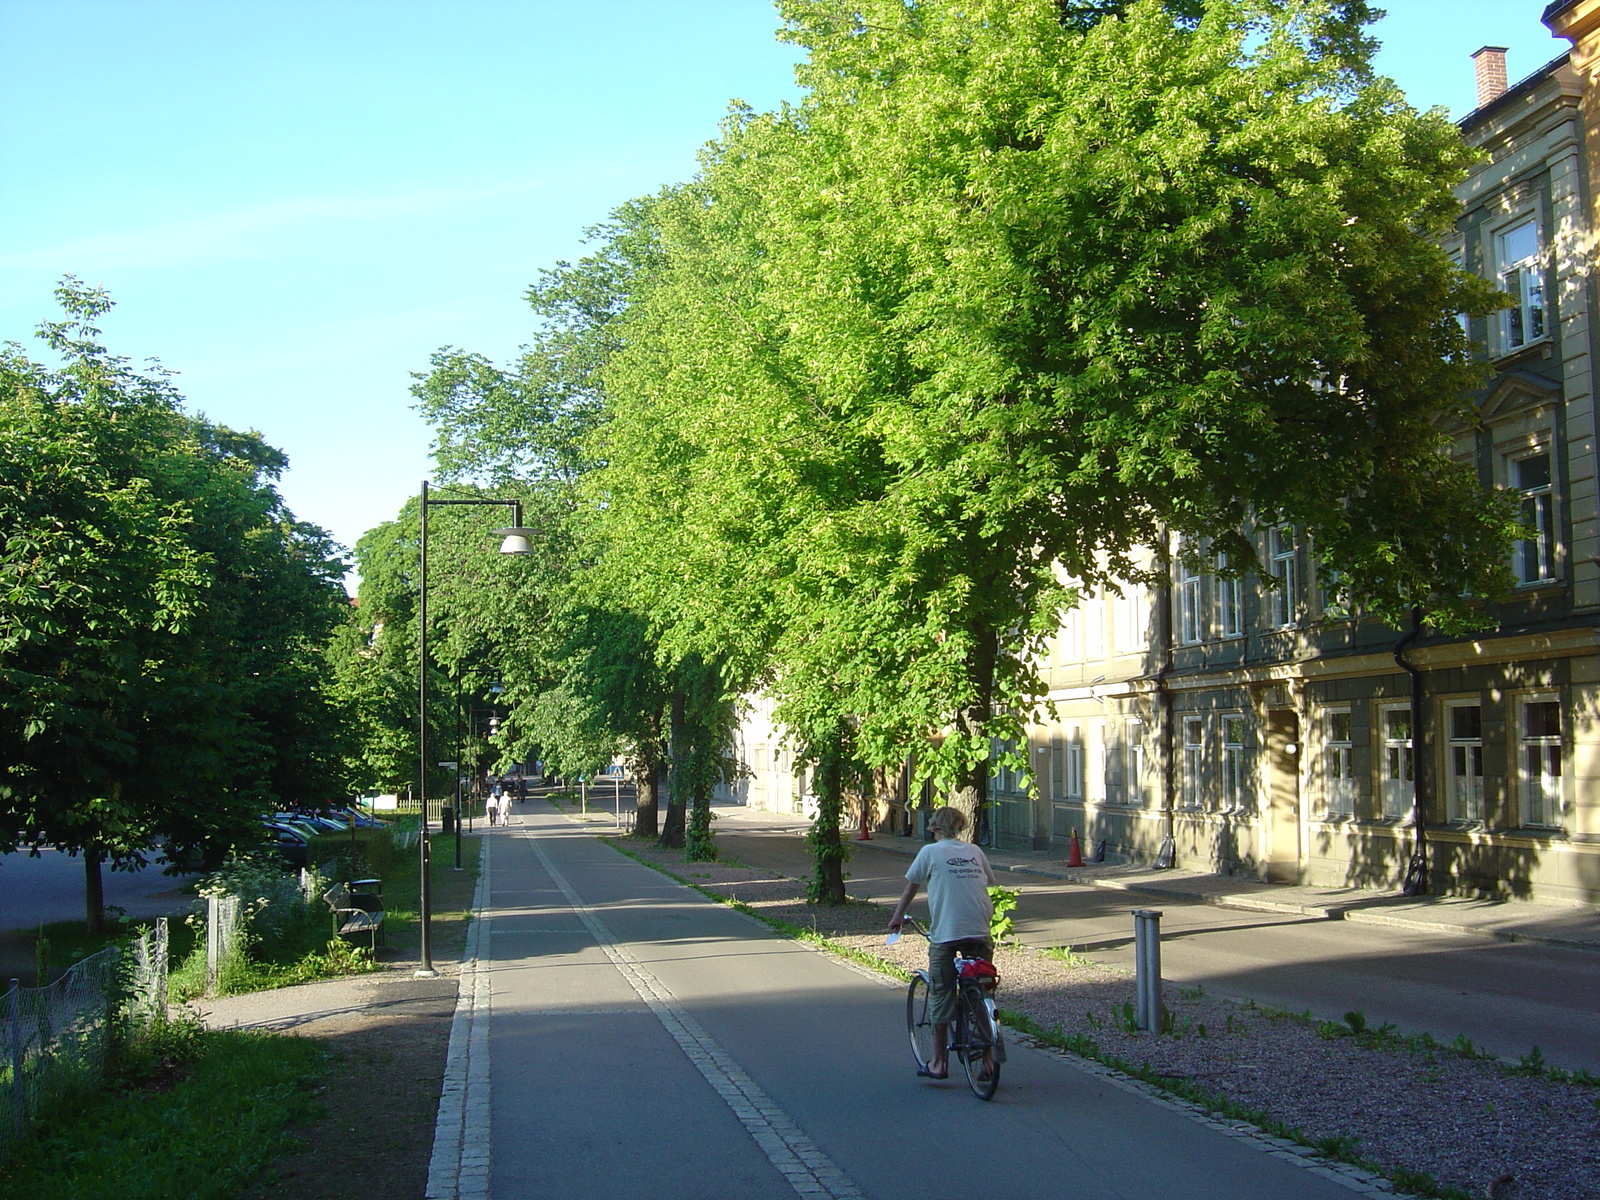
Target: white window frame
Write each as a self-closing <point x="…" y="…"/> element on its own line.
<point x="1463" y="764"/>
<point x="1133" y="746"/>
<point x="1132" y="620"/>
<point x="1333" y="607"/>
<point x="1074" y="764"/>
<point x="1526" y="321"/>
<point x="1539" y="785"/>
<point x="1338" y="763"/>
<point x="1230" y="603"/>
<point x="1069" y="638"/>
<point x="1191" y="795"/>
<point x="1189" y="609"/>
<point x="1397" y="765"/>
<point x="1533" y="560"/>
<point x="1283" y="600"/>
<point x="1235" y="790"/>
<point x="1099" y="781"/>
<point x="1094" y="627"/>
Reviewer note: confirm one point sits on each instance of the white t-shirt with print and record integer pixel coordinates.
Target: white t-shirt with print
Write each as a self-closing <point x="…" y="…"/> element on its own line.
<point x="957" y="876"/>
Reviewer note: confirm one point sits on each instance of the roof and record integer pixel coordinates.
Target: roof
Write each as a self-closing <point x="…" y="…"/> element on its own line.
<point x="1557" y="8"/>
<point x="1520" y="88"/>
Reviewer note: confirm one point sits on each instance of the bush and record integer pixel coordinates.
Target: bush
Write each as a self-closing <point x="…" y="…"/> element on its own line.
<point x="285" y="935"/>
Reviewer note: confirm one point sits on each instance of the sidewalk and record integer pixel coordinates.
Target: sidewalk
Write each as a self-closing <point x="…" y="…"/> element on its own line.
<point x="1510" y="921"/>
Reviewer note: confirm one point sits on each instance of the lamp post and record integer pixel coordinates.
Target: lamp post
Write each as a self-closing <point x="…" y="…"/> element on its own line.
<point x="514" y="540"/>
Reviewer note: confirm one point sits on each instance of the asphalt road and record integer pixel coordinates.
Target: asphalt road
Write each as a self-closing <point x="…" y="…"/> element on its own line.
<point x="645" y="1042"/>
<point x="1507" y="997"/>
<point x="35" y="891"/>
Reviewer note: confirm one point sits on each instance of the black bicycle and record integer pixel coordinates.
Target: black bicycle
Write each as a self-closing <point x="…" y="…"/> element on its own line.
<point x="976" y="1040"/>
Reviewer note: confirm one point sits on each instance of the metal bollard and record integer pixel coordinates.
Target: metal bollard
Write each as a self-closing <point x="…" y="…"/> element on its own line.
<point x="1147" y="969"/>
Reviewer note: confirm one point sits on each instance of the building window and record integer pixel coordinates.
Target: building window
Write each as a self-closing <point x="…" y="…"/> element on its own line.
<point x="1132" y="620"/>
<point x="1338" y="769"/>
<point x="1135" y="751"/>
<point x="1008" y="781"/>
<point x="1331" y="594"/>
<point x="1540" y="761"/>
<point x="1074" y="781"/>
<point x="1235" y="774"/>
<point x="1188" y="603"/>
<point x="1193" y="750"/>
<point x="1230" y="601"/>
<point x="1285" y="598"/>
<point x="1464" y="723"/>
<point x="1522" y="277"/>
<point x="1399" y="762"/>
<point x="1534" y="559"/>
<point x="1103" y="782"/>
<point x="1069" y="638"/>
<point x="1093" y="608"/>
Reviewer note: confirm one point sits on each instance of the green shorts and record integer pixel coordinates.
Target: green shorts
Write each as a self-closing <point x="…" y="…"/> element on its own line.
<point x="942" y="973"/>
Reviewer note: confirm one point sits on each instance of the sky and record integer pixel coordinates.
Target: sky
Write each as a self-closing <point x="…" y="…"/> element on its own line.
<point x="294" y="204"/>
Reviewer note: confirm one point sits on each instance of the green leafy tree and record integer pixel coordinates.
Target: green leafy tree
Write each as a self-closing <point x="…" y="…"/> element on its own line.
<point x="161" y="617"/>
<point x="990" y="310"/>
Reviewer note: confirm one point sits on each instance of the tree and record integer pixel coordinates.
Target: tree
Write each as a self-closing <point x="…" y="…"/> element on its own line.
<point x="161" y="617"/>
<point x="991" y="311"/>
<point x="584" y="674"/>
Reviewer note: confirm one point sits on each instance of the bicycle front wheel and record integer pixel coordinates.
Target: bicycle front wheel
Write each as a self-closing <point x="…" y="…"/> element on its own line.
<point x="919" y="1020"/>
<point x="979" y="1057"/>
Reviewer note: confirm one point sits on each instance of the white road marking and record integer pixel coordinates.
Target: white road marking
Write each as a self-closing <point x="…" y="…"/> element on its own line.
<point x="796" y="1157"/>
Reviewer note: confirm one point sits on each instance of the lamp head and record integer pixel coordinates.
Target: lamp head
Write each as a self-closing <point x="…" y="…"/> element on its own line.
<point x="515" y="540"/>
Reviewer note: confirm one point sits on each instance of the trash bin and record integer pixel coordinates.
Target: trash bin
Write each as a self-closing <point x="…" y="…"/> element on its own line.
<point x="447" y="819"/>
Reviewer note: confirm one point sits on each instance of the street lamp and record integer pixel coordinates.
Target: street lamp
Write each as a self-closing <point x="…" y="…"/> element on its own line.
<point x="514" y="540"/>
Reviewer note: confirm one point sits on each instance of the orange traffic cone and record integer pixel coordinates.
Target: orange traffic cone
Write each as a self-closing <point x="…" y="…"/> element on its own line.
<point x="1075" y="854"/>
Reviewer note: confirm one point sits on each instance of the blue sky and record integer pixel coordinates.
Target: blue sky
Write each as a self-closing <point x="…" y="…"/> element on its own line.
<point x="294" y="203"/>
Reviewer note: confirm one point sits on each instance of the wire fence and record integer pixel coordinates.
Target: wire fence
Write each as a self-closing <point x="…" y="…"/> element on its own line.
<point x="57" y="1041"/>
<point x="58" y="1038"/>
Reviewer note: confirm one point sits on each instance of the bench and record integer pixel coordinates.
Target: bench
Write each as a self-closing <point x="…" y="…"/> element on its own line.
<point x="356" y="912"/>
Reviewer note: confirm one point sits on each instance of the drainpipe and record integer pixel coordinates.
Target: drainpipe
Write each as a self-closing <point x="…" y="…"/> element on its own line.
<point x="1416" y="877"/>
<point x="1166" y="857"/>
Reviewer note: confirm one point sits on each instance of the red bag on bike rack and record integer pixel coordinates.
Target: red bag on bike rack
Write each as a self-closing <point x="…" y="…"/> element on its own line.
<point x="981" y="971"/>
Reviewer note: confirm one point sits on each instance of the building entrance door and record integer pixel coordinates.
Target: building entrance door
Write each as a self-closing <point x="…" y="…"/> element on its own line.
<point x="1280" y="859"/>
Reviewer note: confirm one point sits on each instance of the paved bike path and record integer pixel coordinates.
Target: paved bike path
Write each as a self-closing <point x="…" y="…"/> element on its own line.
<point x="645" y="1042"/>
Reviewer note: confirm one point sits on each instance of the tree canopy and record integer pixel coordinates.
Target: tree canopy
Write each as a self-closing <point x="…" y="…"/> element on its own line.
<point x="1019" y="292"/>
<point x="163" y="614"/>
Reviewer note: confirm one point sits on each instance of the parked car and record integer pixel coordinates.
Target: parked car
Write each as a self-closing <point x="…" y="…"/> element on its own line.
<point x="296" y="821"/>
<point x="323" y="823"/>
<point x="290" y="843"/>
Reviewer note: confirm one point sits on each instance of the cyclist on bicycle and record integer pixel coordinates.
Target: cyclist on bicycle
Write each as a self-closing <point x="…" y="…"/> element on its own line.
<point x="958" y="877"/>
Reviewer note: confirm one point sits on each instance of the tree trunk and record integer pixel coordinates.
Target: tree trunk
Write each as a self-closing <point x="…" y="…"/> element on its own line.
<point x="94" y="893"/>
<point x="697" y="839"/>
<point x="827" y="850"/>
<point x="647" y="798"/>
<point x="971" y="794"/>
<point x="672" y="830"/>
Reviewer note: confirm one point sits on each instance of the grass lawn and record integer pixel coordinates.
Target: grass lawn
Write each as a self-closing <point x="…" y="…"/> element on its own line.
<point x="194" y="1113"/>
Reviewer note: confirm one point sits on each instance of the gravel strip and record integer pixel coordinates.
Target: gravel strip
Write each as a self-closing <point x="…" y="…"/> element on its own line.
<point x="1467" y="1123"/>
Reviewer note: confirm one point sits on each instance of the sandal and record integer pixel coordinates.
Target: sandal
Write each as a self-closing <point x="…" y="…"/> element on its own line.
<point x="924" y="1073"/>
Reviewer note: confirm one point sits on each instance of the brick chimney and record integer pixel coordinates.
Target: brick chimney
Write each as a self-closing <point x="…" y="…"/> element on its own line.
<point x="1491" y="64"/>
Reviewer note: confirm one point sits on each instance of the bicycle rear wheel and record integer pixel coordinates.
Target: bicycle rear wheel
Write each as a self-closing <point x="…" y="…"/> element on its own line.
<point x="919" y="1020"/>
<point x="978" y="1054"/>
